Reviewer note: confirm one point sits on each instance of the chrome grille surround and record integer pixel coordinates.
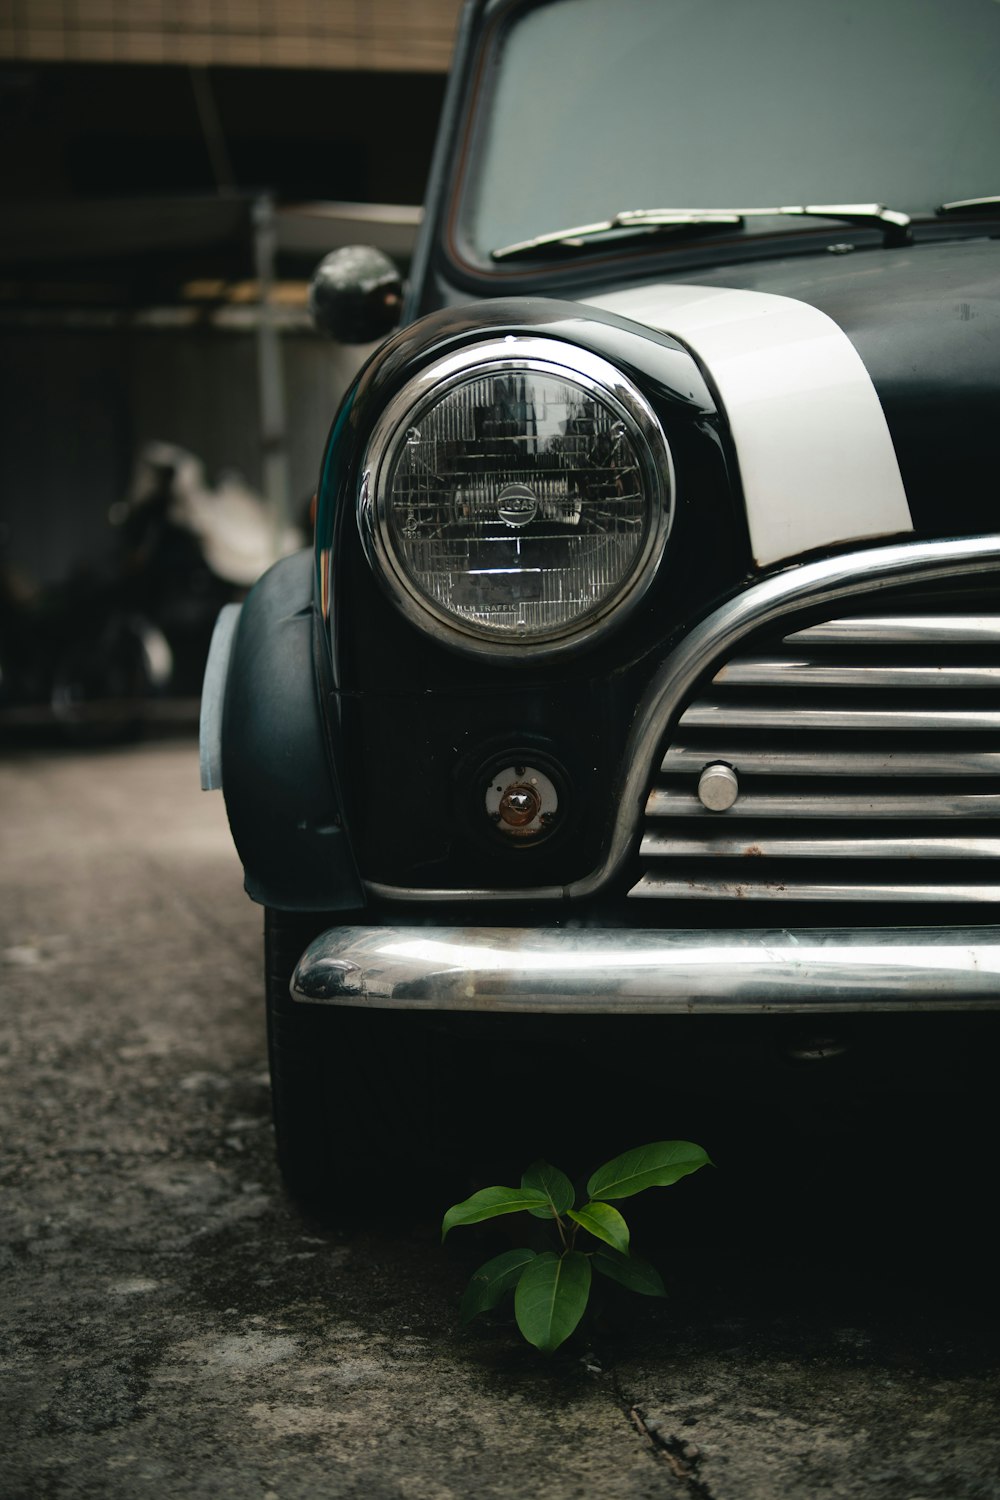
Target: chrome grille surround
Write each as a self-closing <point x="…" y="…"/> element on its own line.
<point x="866" y="747"/>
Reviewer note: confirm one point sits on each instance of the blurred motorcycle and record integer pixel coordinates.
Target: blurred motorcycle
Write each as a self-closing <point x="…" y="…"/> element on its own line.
<point x="112" y="648"/>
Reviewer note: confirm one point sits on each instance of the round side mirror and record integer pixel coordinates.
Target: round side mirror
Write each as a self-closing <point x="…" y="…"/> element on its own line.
<point x="355" y="295"/>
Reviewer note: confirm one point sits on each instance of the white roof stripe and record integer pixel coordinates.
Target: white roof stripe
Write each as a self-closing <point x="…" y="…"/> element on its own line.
<point x="816" y="460"/>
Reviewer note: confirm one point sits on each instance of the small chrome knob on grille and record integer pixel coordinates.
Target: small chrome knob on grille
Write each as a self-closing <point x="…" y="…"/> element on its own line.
<point x="718" y="787"/>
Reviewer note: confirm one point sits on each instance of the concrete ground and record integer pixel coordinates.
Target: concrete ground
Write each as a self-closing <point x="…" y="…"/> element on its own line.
<point x="172" y="1326"/>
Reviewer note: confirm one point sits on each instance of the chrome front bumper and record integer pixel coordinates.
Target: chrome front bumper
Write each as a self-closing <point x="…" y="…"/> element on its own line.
<point x="651" y="972"/>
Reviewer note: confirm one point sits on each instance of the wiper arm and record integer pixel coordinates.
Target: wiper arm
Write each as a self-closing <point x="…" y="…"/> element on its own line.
<point x="647" y="220"/>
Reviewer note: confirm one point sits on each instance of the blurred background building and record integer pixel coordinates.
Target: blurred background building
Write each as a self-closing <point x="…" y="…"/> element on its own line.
<point x="171" y="171"/>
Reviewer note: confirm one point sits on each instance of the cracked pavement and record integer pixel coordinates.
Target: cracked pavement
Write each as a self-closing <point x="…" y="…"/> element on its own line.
<point x="173" y="1326"/>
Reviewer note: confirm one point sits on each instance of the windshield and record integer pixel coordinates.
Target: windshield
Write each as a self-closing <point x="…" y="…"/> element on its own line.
<point x="596" y="107"/>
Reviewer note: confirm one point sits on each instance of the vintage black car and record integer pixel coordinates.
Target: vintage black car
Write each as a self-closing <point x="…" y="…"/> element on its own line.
<point x="645" y="668"/>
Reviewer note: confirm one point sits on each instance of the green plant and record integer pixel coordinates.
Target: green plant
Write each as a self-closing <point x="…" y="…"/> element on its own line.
<point x="552" y="1287"/>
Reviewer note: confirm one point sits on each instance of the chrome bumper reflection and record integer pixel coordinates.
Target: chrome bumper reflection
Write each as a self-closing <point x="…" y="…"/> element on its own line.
<point x="650" y="972"/>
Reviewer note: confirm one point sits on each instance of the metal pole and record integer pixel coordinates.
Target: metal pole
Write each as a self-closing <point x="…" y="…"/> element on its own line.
<point x="270" y="373"/>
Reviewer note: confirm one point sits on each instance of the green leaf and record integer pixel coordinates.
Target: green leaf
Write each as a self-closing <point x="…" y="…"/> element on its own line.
<point x="657" y="1165"/>
<point x="630" y="1271"/>
<point x="490" y="1203"/>
<point x="550" y="1298"/>
<point x="497" y="1277"/>
<point x="604" y="1222"/>
<point x="540" y="1177"/>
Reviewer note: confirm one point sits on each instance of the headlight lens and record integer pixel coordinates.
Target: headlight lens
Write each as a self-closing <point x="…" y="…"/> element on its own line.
<point x="515" y="494"/>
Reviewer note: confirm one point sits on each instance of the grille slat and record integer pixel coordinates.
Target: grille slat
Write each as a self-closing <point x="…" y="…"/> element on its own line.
<point x="803" y="846"/>
<point x="814" y="723"/>
<point x="814" y="672"/>
<point x="780" y="759"/>
<point x="902" y="630"/>
<point x="720" y="713"/>
<point x="820" y="804"/>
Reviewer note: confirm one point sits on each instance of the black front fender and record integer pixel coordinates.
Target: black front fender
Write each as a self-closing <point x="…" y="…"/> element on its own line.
<point x="278" y="779"/>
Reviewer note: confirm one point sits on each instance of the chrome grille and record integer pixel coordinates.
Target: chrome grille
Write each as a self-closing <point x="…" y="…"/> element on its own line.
<point x="867" y="754"/>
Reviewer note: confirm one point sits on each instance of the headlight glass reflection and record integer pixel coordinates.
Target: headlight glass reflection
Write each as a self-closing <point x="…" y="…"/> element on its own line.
<point x="519" y="501"/>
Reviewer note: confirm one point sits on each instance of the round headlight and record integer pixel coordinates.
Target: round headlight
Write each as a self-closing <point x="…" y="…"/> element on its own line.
<point x="515" y="494"/>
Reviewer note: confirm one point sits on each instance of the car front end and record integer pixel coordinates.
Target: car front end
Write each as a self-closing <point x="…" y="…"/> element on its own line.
<point x="646" y="662"/>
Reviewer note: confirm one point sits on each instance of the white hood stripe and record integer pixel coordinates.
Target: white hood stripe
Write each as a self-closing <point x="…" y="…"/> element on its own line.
<point x="816" y="460"/>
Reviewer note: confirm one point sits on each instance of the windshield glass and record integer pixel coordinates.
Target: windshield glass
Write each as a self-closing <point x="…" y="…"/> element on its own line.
<point x="596" y="107"/>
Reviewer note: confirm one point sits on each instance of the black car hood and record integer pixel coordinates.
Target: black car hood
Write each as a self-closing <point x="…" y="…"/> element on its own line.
<point x="925" y="320"/>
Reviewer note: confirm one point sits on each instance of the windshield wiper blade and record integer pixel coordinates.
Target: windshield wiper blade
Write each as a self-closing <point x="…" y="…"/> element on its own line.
<point x="875" y="215"/>
<point x="895" y="224"/>
<point x="969" y="206"/>
<point x="643" y="220"/>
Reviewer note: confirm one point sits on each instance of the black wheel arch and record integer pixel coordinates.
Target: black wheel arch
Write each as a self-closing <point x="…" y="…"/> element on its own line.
<point x="278" y="775"/>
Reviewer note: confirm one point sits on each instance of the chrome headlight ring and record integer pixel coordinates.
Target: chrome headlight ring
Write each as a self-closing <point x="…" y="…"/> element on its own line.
<point x="516" y="497"/>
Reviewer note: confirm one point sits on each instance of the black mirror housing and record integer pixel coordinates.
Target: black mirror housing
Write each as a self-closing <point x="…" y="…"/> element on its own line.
<point x="356" y="295"/>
